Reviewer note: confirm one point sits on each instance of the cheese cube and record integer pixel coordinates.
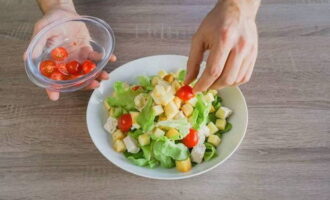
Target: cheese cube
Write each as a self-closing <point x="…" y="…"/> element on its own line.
<point x="144" y="139"/>
<point x="201" y="137"/>
<point x="119" y="146"/>
<point x="197" y="153"/>
<point x="193" y="101"/>
<point x="176" y="85"/>
<point x="111" y="124"/>
<point x="221" y="124"/>
<point x="158" y="109"/>
<point x="208" y="98"/>
<point x="118" y="135"/>
<point x="179" y="115"/>
<point x="162" y="73"/>
<point x="131" y="144"/>
<point x="213" y="129"/>
<point x="187" y="109"/>
<point x="171" y="110"/>
<point x="183" y="165"/>
<point x="204" y="130"/>
<point x="177" y="101"/>
<point x="223" y="112"/>
<point x="158" y="132"/>
<point x="214" y="140"/>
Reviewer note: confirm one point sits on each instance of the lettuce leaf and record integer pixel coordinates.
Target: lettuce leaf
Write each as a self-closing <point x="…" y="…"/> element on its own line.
<point x="123" y="96"/>
<point x="182" y="125"/>
<point x="210" y="151"/>
<point x="203" y="109"/>
<point x="145" y="82"/>
<point x="146" y="117"/>
<point x="140" y="160"/>
<point x="182" y="75"/>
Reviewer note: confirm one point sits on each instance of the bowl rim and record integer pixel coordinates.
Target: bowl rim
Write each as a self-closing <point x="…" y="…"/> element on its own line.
<point x="168" y="178"/>
<point x="44" y="81"/>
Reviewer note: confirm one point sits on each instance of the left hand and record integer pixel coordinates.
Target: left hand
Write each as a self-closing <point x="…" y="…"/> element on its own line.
<point x="230" y="33"/>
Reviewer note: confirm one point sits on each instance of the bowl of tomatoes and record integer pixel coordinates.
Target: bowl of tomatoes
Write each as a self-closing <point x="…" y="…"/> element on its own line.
<point x="67" y="55"/>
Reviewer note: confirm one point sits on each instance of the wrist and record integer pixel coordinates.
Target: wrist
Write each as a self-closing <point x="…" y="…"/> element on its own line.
<point x="246" y="8"/>
<point x="48" y="5"/>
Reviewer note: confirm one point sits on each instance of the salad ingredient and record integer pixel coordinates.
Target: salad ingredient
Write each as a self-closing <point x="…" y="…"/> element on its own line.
<point x="166" y="151"/>
<point x="162" y="73"/>
<point x="221" y="124"/>
<point x="205" y="131"/>
<point x="125" y="122"/>
<point x="119" y="146"/>
<point x="140" y="160"/>
<point x="144" y="139"/>
<point x="145" y="82"/>
<point x="158" y="133"/>
<point x="173" y="134"/>
<point x="191" y="139"/>
<point x="73" y="67"/>
<point x="213" y="129"/>
<point x="202" y="109"/>
<point x="111" y="124"/>
<point x="118" y="135"/>
<point x="179" y="115"/>
<point x="59" y="53"/>
<point x="47" y="67"/>
<point x="227" y="128"/>
<point x="193" y="101"/>
<point x="182" y="75"/>
<point x="146" y="117"/>
<point x="223" y="112"/>
<point x="106" y="105"/>
<point x="177" y="101"/>
<point x="214" y="140"/>
<point x="201" y="137"/>
<point x="136" y="87"/>
<point x="209" y="98"/>
<point x="187" y="109"/>
<point x="140" y="101"/>
<point x="160" y="96"/>
<point x="183" y="165"/>
<point x="134" y="116"/>
<point x="57" y="76"/>
<point x="182" y="125"/>
<point x="123" y="96"/>
<point x="197" y="153"/>
<point x="171" y="110"/>
<point x="158" y="109"/>
<point x="185" y="93"/>
<point x="61" y="67"/>
<point x="168" y="78"/>
<point x="88" y="66"/>
<point x="212" y="109"/>
<point x="131" y="144"/>
<point x="210" y="152"/>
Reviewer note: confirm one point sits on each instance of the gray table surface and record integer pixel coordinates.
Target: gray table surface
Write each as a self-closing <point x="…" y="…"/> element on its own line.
<point x="45" y="150"/>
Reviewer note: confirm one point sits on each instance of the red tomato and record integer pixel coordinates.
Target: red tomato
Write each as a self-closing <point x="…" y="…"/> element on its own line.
<point x="57" y="76"/>
<point x="185" y="93"/>
<point x="73" y="67"/>
<point x="71" y="77"/>
<point x="88" y="66"/>
<point x="62" y="68"/>
<point x="191" y="139"/>
<point x="134" y="88"/>
<point x="125" y="122"/>
<point x="47" y="67"/>
<point x="59" y="53"/>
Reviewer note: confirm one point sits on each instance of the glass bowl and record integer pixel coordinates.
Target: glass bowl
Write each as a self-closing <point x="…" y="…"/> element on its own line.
<point x="84" y="37"/>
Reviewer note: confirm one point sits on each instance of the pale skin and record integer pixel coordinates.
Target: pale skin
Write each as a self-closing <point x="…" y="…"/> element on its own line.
<point x="228" y="32"/>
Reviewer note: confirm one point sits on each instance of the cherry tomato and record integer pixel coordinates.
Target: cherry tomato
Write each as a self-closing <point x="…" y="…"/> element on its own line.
<point x="185" y="93"/>
<point x="59" y="53"/>
<point x="62" y="68"/>
<point x="71" y="77"/>
<point x="137" y="87"/>
<point x="125" y="122"/>
<point x="47" y="67"/>
<point x="57" y="76"/>
<point x="191" y="139"/>
<point x="73" y="67"/>
<point x="88" y="66"/>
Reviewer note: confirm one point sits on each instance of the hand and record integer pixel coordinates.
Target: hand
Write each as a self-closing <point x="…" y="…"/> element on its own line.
<point x="81" y="49"/>
<point x="230" y="33"/>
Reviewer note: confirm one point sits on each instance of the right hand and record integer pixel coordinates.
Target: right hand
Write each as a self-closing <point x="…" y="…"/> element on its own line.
<point x="75" y="30"/>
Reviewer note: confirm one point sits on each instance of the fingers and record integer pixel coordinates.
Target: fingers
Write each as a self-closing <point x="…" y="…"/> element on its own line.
<point x="103" y="76"/>
<point x="248" y="75"/>
<point x="54" y="96"/>
<point x="113" y="58"/>
<point x="194" y="61"/>
<point x="93" y="85"/>
<point x="214" y="66"/>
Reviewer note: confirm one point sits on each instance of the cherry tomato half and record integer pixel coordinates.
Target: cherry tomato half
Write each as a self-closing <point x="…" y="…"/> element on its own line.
<point x="73" y="67"/>
<point x="47" y="67"/>
<point x="57" y="76"/>
<point x="137" y="87"/>
<point x="59" y="53"/>
<point x="185" y="93"/>
<point x="62" y="68"/>
<point x="125" y="122"/>
<point x="88" y="66"/>
<point x="71" y="77"/>
<point x="191" y="139"/>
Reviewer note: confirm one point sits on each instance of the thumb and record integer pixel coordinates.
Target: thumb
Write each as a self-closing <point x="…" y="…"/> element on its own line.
<point x="54" y="96"/>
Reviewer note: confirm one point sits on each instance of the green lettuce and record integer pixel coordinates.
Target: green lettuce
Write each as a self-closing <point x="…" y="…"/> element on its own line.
<point x="123" y="96"/>
<point x="135" y="134"/>
<point x="182" y="125"/>
<point x="182" y="75"/>
<point x="140" y="159"/>
<point x="210" y="151"/>
<point x="202" y="110"/>
<point x="145" y="82"/>
<point x="146" y="117"/>
<point x="217" y="102"/>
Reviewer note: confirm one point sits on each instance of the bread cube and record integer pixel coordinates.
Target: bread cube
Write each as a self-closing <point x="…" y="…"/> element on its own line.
<point x="162" y="117"/>
<point x="179" y="115"/>
<point x="144" y="139"/>
<point x="183" y="165"/>
<point x="212" y="127"/>
<point x="214" y="140"/>
<point x="176" y="85"/>
<point x="158" y="109"/>
<point x="118" y="135"/>
<point x="208" y="98"/>
<point x="162" y="73"/>
<point x="221" y="124"/>
<point x="213" y="92"/>
<point x="193" y="101"/>
<point x="187" y="109"/>
<point x="177" y="101"/>
<point x="119" y="146"/>
<point x="172" y="133"/>
<point x="158" y="132"/>
<point x="171" y="110"/>
<point x="169" y="78"/>
<point x="223" y="112"/>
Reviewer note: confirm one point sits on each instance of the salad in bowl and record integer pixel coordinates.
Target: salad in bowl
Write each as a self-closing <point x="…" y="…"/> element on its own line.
<point x="160" y="122"/>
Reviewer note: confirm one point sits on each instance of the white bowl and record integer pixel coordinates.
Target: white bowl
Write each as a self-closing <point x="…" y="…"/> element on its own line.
<point x="97" y="115"/>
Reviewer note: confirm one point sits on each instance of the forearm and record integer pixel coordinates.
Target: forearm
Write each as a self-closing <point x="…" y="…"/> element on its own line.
<point x="46" y="5"/>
